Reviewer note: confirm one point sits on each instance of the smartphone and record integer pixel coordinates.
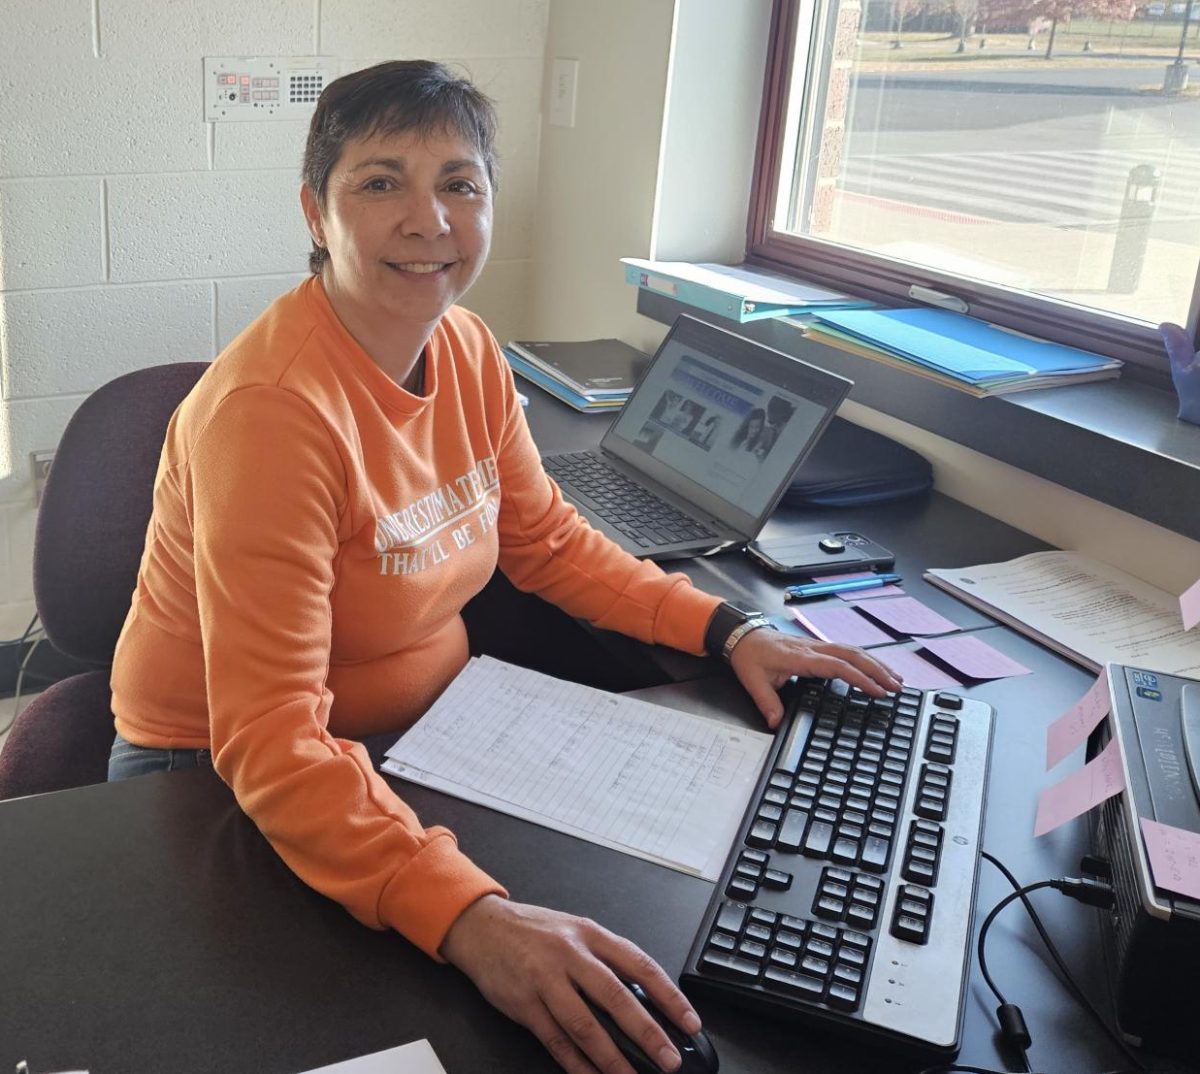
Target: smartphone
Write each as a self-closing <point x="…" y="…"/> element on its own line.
<point x="820" y="553"/>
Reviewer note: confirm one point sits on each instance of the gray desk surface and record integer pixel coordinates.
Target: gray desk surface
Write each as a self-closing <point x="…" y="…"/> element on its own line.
<point x="148" y="927"/>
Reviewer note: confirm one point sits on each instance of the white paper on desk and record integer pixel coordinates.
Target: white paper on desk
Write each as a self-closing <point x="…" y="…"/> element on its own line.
<point x="1084" y="609"/>
<point x="415" y="1058"/>
<point x="651" y="781"/>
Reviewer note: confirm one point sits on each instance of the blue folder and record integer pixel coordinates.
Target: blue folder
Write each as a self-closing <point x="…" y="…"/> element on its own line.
<point x="963" y="347"/>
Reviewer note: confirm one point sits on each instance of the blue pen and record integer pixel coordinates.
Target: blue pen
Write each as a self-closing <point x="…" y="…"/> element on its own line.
<point x="821" y="589"/>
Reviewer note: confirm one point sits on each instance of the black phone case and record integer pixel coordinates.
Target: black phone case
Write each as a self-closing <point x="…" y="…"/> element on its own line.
<point x="803" y="555"/>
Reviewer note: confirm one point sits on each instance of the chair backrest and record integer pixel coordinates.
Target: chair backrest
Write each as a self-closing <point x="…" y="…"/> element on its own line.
<point x="91" y="526"/>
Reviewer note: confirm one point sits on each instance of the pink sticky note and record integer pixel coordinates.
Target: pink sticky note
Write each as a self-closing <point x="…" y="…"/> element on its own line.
<point x="1189" y="606"/>
<point x="861" y="594"/>
<point x="836" y="622"/>
<point x="973" y="657"/>
<point x="1174" y="857"/>
<point x="907" y="615"/>
<point x="914" y="670"/>
<point x="1073" y="726"/>
<point x="1100" y="778"/>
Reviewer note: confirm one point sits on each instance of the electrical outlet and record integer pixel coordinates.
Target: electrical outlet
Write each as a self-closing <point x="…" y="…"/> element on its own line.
<point x="39" y="465"/>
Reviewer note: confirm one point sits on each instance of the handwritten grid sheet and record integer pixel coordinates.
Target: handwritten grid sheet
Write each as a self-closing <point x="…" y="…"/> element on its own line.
<point x="660" y="784"/>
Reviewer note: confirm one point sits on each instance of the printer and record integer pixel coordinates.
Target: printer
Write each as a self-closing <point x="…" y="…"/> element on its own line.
<point x="1151" y="935"/>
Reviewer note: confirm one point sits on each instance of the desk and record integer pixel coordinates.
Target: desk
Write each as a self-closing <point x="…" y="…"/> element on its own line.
<point x="146" y="926"/>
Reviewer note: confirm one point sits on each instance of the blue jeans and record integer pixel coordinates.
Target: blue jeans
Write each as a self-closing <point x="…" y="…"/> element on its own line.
<point x="127" y="760"/>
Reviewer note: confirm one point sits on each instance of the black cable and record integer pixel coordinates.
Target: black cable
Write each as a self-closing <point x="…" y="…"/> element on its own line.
<point x="1012" y="1024"/>
<point x="1059" y="961"/>
<point x="957" y="1068"/>
<point x="24" y="635"/>
<point x="19" y="667"/>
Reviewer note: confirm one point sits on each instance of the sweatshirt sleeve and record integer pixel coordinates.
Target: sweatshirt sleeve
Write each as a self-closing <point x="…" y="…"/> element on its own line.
<point x="265" y="490"/>
<point x="548" y="548"/>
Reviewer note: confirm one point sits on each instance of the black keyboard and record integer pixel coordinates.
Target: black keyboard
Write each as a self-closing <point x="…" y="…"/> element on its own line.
<point x="623" y="504"/>
<point x="849" y="896"/>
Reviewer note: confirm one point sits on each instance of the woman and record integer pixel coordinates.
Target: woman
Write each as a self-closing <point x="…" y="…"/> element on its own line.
<point x="750" y="430"/>
<point x="340" y="483"/>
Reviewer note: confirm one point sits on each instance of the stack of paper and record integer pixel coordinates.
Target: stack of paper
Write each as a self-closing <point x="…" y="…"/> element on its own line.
<point x="739" y="292"/>
<point x="650" y="781"/>
<point x="959" y="351"/>
<point x="590" y="374"/>
<point x="1088" y="611"/>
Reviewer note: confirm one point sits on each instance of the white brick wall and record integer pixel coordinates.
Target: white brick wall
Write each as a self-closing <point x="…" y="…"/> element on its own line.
<point x="133" y="233"/>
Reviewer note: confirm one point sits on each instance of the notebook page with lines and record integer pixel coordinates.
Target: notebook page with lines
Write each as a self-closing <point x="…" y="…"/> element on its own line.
<point x="650" y="781"/>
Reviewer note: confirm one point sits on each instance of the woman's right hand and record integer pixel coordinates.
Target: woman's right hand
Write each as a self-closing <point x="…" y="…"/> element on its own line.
<point x="533" y="964"/>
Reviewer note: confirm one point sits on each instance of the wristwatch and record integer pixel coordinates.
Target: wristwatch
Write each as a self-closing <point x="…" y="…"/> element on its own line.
<point x="728" y="626"/>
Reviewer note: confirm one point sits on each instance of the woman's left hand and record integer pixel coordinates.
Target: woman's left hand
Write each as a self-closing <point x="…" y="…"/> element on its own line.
<point x="765" y="659"/>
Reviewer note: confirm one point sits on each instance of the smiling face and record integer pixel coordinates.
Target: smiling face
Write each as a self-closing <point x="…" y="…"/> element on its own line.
<point x="407" y="221"/>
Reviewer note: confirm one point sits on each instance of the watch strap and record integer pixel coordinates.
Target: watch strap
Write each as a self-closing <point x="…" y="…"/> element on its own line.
<point x="725" y="620"/>
<point x="755" y="622"/>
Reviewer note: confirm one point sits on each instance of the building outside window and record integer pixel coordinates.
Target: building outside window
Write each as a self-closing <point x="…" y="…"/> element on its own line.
<point x="1037" y="159"/>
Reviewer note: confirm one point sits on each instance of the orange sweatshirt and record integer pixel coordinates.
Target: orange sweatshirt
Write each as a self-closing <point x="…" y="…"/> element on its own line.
<point x="316" y="532"/>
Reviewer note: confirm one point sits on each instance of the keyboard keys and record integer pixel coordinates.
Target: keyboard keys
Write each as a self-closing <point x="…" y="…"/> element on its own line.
<point x="793" y="941"/>
<point x="731" y="917"/>
<point x="875" y="853"/>
<point x="791" y="832"/>
<point x="762" y="833"/>
<point x="741" y="888"/>
<point x="776" y="879"/>
<point x="845" y="850"/>
<point x="819" y="839"/>
<point x="800" y="984"/>
<point x="850" y="822"/>
<point x="728" y="965"/>
<point x="785" y="957"/>
<point x="829" y="906"/>
<point x="843" y="996"/>
<point x="913" y="914"/>
<point x="626" y="505"/>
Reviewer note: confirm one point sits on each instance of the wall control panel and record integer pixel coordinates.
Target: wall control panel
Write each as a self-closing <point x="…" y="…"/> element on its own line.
<point x="242" y="88"/>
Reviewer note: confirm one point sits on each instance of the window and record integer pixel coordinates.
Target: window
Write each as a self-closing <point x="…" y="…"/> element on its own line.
<point x="1038" y="159"/>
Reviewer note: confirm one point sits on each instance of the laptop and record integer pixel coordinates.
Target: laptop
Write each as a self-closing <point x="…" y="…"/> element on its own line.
<point x="705" y="446"/>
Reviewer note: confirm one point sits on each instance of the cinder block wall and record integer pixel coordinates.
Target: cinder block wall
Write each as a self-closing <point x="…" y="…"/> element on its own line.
<point x="132" y="232"/>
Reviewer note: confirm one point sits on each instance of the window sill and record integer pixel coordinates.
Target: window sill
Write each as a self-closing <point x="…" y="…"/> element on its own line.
<point x="1117" y="441"/>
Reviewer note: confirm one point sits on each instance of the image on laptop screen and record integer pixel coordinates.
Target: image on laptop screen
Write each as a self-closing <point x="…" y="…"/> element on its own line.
<point x="732" y="432"/>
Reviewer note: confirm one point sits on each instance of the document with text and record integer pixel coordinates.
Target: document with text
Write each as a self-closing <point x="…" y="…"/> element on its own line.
<point x="648" y="780"/>
<point x="1084" y="609"/>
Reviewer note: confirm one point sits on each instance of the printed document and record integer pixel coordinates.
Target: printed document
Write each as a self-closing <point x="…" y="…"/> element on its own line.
<point x="415" y="1058"/>
<point x="1084" y="609"/>
<point x="651" y="781"/>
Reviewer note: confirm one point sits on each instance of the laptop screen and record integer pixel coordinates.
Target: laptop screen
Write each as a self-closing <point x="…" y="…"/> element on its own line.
<point x="724" y="421"/>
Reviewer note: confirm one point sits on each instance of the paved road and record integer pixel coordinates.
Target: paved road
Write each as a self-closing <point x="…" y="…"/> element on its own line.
<point x="1052" y="147"/>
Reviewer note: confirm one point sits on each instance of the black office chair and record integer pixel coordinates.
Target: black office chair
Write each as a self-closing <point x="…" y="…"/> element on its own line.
<point x="91" y="530"/>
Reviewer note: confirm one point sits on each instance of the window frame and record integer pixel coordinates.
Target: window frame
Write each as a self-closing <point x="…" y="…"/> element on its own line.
<point x="888" y="282"/>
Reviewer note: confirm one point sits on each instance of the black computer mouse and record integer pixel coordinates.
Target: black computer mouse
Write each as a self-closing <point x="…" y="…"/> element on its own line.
<point x="696" y="1051"/>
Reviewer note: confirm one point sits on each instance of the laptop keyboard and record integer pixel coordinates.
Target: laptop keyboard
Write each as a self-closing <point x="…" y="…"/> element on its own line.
<point x="644" y="518"/>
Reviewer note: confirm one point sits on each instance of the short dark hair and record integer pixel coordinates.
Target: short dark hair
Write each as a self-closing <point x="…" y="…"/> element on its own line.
<point x="392" y="98"/>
